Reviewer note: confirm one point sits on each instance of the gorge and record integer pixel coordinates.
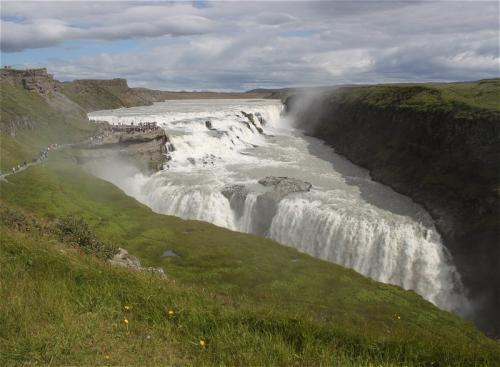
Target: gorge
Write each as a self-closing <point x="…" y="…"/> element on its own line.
<point x="252" y="165"/>
<point x="241" y="165"/>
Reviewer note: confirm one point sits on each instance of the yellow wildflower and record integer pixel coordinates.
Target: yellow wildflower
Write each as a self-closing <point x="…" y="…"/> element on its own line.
<point x="125" y="321"/>
<point x="201" y="343"/>
<point x="170" y="313"/>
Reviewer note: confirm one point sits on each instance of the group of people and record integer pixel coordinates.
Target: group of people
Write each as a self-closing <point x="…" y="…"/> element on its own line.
<point x="97" y="139"/>
<point x="142" y="127"/>
<point x="19" y="167"/>
<point x="42" y="155"/>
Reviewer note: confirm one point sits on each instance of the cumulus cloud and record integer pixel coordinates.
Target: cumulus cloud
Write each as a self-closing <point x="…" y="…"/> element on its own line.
<point x="39" y="31"/>
<point x="254" y="44"/>
<point x="37" y="34"/>
<point x="275" y="18"/>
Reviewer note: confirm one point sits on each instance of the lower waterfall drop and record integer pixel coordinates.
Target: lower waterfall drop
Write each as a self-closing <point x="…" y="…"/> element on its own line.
<point x="218" y="174"/>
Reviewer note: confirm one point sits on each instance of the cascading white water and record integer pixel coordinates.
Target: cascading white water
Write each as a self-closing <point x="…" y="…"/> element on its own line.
<point x="345" y="218"/>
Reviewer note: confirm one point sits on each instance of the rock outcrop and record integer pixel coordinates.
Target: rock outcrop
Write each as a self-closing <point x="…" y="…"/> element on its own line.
<point x="147" y="150"/>
<point x="283" y="186"/>
<point x="37" y="80"/>
<point x="251" y="119"/>
<point x="124" y="259"/>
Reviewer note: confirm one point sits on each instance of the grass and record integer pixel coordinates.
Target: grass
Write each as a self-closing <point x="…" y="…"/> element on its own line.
<point x="242" y="294"/>
<point x="250" y="299"/>
<point x="96" y="97"/>
<point x="39" y="122"/>
<point x="465" y="100"/>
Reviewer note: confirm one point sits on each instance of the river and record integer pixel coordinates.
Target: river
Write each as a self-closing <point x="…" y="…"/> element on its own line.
<point x="345" y="217"/>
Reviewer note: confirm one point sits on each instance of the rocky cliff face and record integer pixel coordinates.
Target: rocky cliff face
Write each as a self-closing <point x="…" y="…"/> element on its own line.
<point x="38" y="80"/>
<point x="145" y="150"/>
<point x="445" y="155"/>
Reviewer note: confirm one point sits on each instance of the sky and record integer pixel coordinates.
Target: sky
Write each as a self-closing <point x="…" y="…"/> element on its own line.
<point x="241" y="45"/>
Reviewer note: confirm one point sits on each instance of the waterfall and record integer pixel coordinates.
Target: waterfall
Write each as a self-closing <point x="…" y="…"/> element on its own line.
<point x="345" y="217"/>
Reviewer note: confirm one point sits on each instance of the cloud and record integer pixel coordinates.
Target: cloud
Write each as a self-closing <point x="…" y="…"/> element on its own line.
<point x="275" y="18"/>
<point x="39" y="31"/>
<point x="254" y="44"/>
<point x="38" y="34"/>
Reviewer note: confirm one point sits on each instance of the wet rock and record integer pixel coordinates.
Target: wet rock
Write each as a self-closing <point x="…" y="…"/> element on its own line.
<point x="260" y="118"/>
<point x="284" y="185"/>
<point x="247" y="124"/>
<point x="219" y="134"/>
<point x="236" y="194"/>
<point x="251" y="118"/>
<point x="266" y="205"/>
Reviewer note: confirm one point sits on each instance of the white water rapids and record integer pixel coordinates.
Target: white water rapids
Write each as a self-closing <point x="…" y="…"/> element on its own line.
<point x="345" y="218"/>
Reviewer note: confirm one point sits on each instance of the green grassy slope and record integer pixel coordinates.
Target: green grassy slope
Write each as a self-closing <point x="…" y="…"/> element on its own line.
<point x="93" y="97"/>
<point x="254" y="301"/>
<point x="463" y="99"/>
<point x="38" y="121"/>
<point x="101" y="95"/>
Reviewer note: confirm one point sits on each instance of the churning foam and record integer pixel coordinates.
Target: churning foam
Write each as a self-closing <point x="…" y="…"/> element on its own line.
<point x="346" y="218"/>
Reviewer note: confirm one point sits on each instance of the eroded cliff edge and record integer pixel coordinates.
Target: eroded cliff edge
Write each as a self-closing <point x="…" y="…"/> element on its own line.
<point x="146" y="149"/>
<point x="438" y="144"/>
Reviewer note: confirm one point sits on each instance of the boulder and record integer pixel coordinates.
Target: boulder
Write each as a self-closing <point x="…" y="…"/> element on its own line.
<point x="283" y="186"/>
<point x="123" y="258"/>
<point x="208" y="125"/>
<point x="236" y="194"/>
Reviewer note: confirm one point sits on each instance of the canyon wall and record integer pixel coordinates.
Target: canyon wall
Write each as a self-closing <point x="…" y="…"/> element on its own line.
<point x="438" y="144"/>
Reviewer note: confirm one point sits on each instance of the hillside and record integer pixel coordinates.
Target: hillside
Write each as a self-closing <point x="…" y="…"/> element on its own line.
<point x="36" y="110"/>
<point x="254" y="301"/>
<point x="31" y="120"/>
<point x="438" y="144"/>
<point x="95" y="95"/>
<point x="251" y="300"/>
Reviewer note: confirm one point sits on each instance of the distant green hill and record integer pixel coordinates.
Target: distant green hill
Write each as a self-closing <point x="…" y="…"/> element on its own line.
<point x="251" y="300"/>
